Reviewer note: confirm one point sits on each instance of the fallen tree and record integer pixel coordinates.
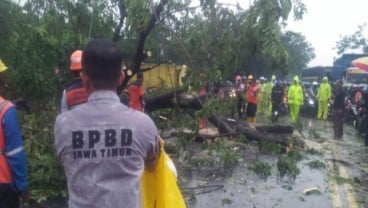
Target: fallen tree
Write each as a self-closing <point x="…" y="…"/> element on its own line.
<point x="280" y="134"/>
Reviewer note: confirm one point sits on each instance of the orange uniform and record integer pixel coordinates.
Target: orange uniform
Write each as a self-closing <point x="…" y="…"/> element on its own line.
<point x="251" y="93"/>
<point x="136" y="92"/>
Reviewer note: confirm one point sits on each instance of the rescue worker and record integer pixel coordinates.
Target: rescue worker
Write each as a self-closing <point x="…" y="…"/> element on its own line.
<point x="323" y="96"/>
<point x="295" y="99"/>
<point x="74" y="94"/>
<point x="277" y="96"/>
<point x="13" y="174"/>
<point x="104" y="145"/>
<point x="251" y="95"/>
<point x="136" y="92"/>
<point x="262" y="96"/>
<point x="268" y="91"/>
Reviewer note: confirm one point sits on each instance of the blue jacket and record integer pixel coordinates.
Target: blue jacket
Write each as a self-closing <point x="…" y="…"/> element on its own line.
<point x="14" y="151"/>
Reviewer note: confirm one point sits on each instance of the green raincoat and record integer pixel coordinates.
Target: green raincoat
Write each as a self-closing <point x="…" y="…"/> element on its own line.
<point x="295" y="99"/>
<point x="323" y="96"/>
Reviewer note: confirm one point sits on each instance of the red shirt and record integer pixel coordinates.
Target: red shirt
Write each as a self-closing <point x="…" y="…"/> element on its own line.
<point x="135" y="91"/>
<point x="251" y="93"/>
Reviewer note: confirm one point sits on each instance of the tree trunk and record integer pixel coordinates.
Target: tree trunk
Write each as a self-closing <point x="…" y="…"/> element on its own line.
<point x="251" y="133"/>
<point x="174" y="99"/>
<point x="275" y="128"/>
<point x="280" y="134"/>
<point x="222" y="126"/>
<point x="139" y="55"/>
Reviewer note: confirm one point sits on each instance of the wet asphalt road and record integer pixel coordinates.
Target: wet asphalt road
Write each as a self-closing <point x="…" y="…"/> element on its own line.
<point x="342" y="184"/>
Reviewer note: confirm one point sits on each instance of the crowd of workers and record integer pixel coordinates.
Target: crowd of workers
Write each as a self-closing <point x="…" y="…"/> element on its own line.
<point x="262" y="97"/>
<point x="258" y="97"/>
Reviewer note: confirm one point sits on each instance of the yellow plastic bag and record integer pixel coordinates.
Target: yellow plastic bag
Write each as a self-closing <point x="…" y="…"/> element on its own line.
<point x="159" y="188"/>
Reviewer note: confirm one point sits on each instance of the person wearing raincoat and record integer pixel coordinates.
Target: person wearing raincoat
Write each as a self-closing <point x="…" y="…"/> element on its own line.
<point x="295" y="99"/>
<point x="323" y="96"/>
<point x="268" y="92"/>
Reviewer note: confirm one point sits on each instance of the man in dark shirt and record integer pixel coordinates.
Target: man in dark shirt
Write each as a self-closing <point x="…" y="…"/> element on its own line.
<point x="365" y="99"/>
<point x="277" y="95"/>
<point x="339" y="108"/>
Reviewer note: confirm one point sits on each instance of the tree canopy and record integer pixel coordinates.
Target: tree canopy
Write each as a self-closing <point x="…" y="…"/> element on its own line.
<point x="357" y="40"/>
<point x="40" y="35"/>
<point x="299" y="50"/>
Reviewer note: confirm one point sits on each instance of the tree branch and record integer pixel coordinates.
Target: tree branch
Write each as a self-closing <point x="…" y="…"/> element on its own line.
<point x="149" y="68"/>
<point x="139" y="54"/>
<point x="187" y="54"/>
<point x="122" y="10"/>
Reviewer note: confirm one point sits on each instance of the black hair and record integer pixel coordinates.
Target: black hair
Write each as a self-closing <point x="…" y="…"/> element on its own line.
<point x="101" y="62"/>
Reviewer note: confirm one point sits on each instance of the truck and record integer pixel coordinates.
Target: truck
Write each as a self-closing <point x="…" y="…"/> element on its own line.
<point x="315" y="74"/>
<point x="355" y="76"/>
<point x="163" y="76"/>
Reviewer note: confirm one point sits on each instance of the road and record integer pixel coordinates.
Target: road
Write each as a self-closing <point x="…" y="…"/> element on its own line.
<point x="342" y="184"/>
<point x="347" y="165"/>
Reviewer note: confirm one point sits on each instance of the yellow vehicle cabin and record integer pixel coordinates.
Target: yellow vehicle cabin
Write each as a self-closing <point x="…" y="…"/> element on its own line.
<point x="163" y="76"/>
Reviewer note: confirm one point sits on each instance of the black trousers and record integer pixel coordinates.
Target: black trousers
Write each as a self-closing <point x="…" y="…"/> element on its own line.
<point x="276" y="107"/>
<point x="251" y="110"/>
<point x="240" y="106"/>
<point x="366" y="130"/>
<point x="338" y="123"/>
<point x="8" y="197"/>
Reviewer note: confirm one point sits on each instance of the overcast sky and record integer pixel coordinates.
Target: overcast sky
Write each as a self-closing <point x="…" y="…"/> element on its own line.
<point x="324" y="24"/>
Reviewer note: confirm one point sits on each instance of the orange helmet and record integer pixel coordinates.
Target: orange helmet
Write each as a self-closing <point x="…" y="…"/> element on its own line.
<point x="76" y="61"/>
